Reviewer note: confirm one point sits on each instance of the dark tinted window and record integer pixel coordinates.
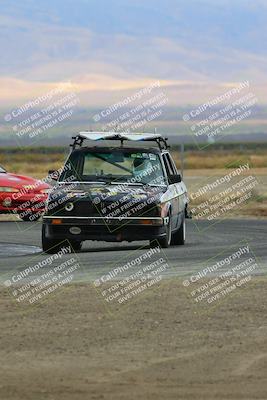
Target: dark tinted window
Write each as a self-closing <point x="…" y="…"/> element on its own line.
<point x="171" y="164"/>
<point x="115" y="165"/>
<point x="167" y="165"/>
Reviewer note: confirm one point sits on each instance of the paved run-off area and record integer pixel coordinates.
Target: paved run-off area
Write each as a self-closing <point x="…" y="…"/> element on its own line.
<point x="163" y="344"/>
<point x="204" y="240"/>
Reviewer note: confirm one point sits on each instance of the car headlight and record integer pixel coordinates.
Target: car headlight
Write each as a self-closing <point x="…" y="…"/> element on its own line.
<point x="69" y="207"/>
<point x="8" y="189"/>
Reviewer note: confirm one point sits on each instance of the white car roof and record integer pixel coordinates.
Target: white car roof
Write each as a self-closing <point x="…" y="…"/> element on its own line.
<point x="119" y="136"/>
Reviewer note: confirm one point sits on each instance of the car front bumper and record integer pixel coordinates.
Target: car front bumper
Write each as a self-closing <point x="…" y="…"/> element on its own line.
<point x="31" y="202"/>
<point x="106" y="229"/>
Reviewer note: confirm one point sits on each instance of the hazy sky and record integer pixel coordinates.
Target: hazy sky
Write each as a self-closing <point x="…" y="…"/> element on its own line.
<point x="108" y="46"/>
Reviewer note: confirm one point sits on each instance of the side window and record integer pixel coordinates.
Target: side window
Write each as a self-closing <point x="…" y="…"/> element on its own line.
<point x="167" y="166"/>
<point x="172" y="164"/>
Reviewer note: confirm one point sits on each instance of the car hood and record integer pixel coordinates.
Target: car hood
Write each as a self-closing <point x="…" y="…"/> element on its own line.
<point x="104" y="200"/>
<point x="111" y="192"/>
<point x="19" y="181"/>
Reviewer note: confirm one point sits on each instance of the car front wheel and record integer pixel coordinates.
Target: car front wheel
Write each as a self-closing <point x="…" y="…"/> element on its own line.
<point x="166" y="240"/>
<point x="52" y="246"/>
<point x="178" y="237"/>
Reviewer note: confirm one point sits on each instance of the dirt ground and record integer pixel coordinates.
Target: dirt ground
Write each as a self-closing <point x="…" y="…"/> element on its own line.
<point x="159" y="347"/>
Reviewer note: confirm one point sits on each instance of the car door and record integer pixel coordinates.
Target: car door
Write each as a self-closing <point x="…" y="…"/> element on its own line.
<point x="180" y="187"/>
<point x="173" y="190"/>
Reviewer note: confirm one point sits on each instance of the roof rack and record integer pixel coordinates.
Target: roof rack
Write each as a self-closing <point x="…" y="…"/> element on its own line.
<point x="79" y="139"/>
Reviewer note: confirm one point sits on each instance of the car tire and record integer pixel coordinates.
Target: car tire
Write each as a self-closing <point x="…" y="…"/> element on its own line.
<point x="178" y="237"/>
<point x="166" y="240"/>
<point x="76" y="245"/>
<point x="50" y="246"/>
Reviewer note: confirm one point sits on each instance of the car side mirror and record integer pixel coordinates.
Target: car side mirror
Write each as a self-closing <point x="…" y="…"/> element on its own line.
<point x="175" y="178"/>
<point x="53" y="174"/>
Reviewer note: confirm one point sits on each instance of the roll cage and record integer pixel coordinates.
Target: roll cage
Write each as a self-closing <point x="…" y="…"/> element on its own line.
<point x="78" y="140"/>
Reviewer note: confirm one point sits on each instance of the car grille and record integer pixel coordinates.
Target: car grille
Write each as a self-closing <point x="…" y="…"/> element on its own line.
<point x="84" y="208"/>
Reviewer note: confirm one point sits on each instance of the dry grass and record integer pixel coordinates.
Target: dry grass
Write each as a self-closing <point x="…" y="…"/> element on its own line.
<point x="37" y="164"/>
<point x="221" y="159"/>
<point x="198" y="165"/>
<point x="255" y="206"/>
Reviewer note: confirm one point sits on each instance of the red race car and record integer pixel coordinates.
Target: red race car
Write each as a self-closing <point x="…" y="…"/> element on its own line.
<point x="22" y="195"/>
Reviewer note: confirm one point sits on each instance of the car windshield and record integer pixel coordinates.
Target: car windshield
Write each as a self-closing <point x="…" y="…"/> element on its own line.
<point x="118" y="165"/>
<point x="2" y="170"/>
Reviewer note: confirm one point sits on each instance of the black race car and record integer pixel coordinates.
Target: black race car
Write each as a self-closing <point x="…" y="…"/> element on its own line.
<point x="112" y="192"/>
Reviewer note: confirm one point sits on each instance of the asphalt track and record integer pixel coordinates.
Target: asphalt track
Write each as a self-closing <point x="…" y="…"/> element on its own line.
<point x="20" y="246"/>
